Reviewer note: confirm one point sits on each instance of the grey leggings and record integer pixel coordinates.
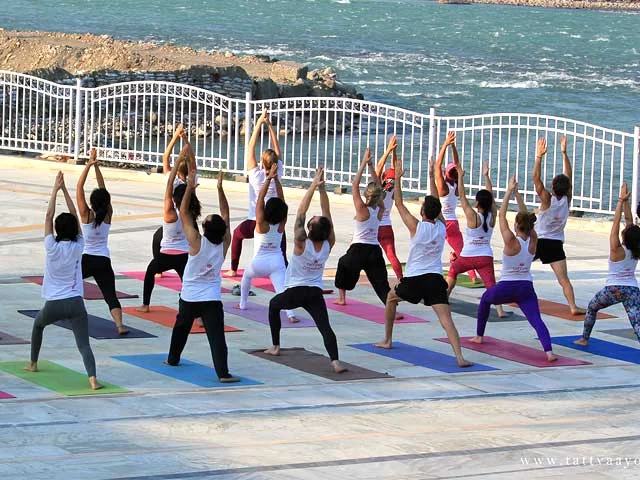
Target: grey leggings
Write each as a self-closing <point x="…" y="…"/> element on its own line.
<point x="73" y="309"/>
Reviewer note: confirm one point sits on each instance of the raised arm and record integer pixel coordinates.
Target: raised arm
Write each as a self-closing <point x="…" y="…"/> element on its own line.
<point x="166" y="156"/>
<point x="522" y="207"/>
<point x="489" y="186"/>
<point x="252" y="161"/>
<point x="355" y="183"/>
<point x="169" y="208"/>
<point x="273" y="174"/>
<point x="190" y="231"/>
<point x="273" y="135"/>
<point x="224" y="213"/>
<point x="80" y="198"/>
<point x="469" y="213"/>
<point x="391" y="148"/>
<point x="300" y="234"/>
<point x="51" y="207"/>
<point x="439" y="175"/>
<point x="566" y="165"/>
<point x="543" y="193"/>
<point x="616" y="252"/>
<point x="408" y="219"/>
<point x="508" y="236"/>
<point x="325" y="209"/>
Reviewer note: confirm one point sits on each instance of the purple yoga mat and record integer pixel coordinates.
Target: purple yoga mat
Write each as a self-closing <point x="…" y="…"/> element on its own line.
<point x="366" y="311"/>
<point x="6" y="339"/>
<point x="260" y="313"/>
<point x="91" y="291"/>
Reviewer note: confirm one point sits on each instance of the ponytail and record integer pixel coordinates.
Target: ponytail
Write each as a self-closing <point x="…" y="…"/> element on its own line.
<point x="100" y="201"/>
<point x="525" y="222"/>
<point x="484" y="198"/>
<point x="485" y="227"/>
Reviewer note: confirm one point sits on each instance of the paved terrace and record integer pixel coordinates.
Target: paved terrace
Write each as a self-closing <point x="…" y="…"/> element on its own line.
<point x="510" y="420"/>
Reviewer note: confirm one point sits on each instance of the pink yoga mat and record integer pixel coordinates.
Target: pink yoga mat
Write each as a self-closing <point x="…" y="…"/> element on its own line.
<point x="5" y="395"/>
<point x="366" y="311"/>
<point x="516" y="352"/>
<point x="168" y="280"/>
<point x="91" y="291"/>
<point x="260" y="313"/>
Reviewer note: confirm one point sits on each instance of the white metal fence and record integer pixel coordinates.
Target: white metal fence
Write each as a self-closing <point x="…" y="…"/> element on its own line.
<point x="132" y="122"/>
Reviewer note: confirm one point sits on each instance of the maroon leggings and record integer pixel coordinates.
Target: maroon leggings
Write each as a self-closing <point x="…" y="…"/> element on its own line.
<point x="246" y="230"/>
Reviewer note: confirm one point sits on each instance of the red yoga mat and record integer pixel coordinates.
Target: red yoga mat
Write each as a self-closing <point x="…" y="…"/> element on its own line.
<point x="167" y="316"/>
<point x="561" y="310"/>
<point x="263" y="283"/>
<point x="91" y="291"/>
<point x="366" y="311"/>
<point x="516" y="352"/>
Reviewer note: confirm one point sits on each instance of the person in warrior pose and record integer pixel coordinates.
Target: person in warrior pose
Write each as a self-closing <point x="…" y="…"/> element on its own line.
<point x="303" y="281"/>
<point x="174" y="249"/>
<point x="422" y="280"/>
<point x="476" y="253"/>
<point x="516" y="282"/>
<point x="365" y="252"/>
<point x="271" y="219"/>
<point x="446" y="181"/>
<point x="62" y="283"/>
<point x="552" y="218"/>
<point x="622" y="285"/>
<point x="200" y="295"/>
<point x="257" y="176"/>
<point x="96" y="223"/>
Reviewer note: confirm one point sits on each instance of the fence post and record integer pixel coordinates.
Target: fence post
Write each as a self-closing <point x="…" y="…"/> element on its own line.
<point x="248" y="125"/>
<point x="432" y="132"/>
<point x="77" y="113"/>
<point x="636" y="167"/>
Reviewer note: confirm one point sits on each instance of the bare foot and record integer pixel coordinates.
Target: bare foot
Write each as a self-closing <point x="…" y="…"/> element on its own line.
<point x="399" y="316"/>
<point x="122" y="330"/>
<point x="293" y="320"/>
<point x="93" y="382"/>
<point x="476" y="339"/>
<point x="229" y="379"/>
<point x="581" y="341"/>
<point x="383" y="344"/>
<point x="166" y="362"/>
<point x="143" y="309"/>
<point x="474" y="280"/>
<point x="200" y="322"/>
<point x="231" y="273"/>
<point x="551" y="357"/>
<point x="464" y="363"/>
<point x="577" y="311"/>
<point x="32" y="367"/>
<point x="275" y="351"/>
<point x="337" y="366"/>
<point x="339" y="301"/>
<point x="238" y="307"/>
<point x="159" y="275"/>
<point x="504" y="314"/>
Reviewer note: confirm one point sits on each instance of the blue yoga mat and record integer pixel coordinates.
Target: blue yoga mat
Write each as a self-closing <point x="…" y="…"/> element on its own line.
<point x="190" y="372"/>
<point x="602" y="348"/>
<point x="423" y="358"/>
<point x="99" y="328"/>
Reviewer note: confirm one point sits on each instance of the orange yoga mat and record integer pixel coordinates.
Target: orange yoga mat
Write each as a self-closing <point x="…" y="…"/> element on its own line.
<point x="561" y="310"/>
<point x="167" y="316"/>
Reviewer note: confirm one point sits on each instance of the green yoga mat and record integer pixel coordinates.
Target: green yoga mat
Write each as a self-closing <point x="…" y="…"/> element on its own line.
<point x="463" y="280"/>
<point x="58" y="378"/>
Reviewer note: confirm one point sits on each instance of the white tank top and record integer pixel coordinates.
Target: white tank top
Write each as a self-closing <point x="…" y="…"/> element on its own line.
<point x="518" y="267"/>
<point x="306" y="269"/>
<point x="96" y="239"/>
<point x="173" y="237"/>
<point x="367" y="232"/>
<point x="477" y="242"/>
<point x="449" y="203"/>
<point x="425" y="250"/>
<point x="551" y="222"/>
<point x="623" y="273"/>
<point x="388" y="205"/>
<point x="201" y="279"/>
<point x="267" y="244"/>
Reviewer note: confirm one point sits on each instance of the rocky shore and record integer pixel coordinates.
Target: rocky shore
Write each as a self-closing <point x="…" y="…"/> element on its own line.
<point x="581" y="4"/>
<point x="100" y="60"/>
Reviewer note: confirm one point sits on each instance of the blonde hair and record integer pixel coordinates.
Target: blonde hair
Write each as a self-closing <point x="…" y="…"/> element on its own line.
<point x="373" y="194"/>
<point x="269" y="158"/>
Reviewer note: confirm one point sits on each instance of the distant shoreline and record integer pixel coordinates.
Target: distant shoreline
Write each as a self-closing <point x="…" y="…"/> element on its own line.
<point x="619" y="5"/>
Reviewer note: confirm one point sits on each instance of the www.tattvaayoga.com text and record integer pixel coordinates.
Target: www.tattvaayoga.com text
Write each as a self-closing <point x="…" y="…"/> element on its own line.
<point x="625" y="462"/>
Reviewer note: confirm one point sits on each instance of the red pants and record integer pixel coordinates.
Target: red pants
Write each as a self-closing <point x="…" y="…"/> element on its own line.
<point x="246" y="230"/>
<point x="388" y="243"/>
<point x="454" y="238"/>
<point x="484" y="266"/>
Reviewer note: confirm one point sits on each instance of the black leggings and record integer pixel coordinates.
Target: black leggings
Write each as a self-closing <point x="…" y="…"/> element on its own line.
<point x="155" y="244"/>
<point x="159" y="264"/>
<point x="212" y="315"/>
<point x="362" y="256"/>
<point x="100" y="269"/>
<point x="311" y="299"/>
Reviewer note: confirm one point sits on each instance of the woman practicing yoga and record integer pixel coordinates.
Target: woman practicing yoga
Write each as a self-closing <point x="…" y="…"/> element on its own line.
<point x="476" y="253"/>
<point x="422" y="279"/>
<point x="365" y="252"/>
<point x="448" y="192"/>
<point x="552" y="218"/>
<point x="268" y="261"/>
<point x="622" y="285"/>
<point x="516" y="282"/>
<point x="304" y="274"/>
<point x="96" y="223"/>
<point x="174" y="248"/>
<point x="200" y="295"/>
<point x="62" y="283"/>
<point x="257" y="176"/>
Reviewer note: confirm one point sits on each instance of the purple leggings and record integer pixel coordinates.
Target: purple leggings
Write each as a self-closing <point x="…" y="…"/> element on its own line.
<point x="522" y="293"/>
<point x="244" y="230"/>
